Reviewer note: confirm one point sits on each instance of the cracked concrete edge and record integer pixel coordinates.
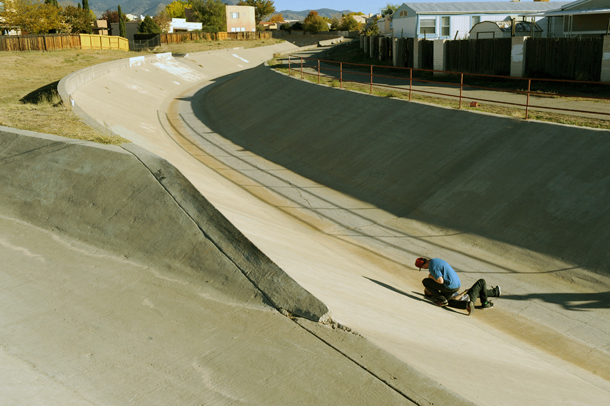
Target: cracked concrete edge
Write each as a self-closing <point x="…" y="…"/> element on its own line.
<point x="283" y="291"/>
<point x="399" y="376"/>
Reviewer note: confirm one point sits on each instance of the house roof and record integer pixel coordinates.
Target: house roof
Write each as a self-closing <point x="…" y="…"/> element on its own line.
<point x="595" y="4"/>
<point x="486" y="7"/>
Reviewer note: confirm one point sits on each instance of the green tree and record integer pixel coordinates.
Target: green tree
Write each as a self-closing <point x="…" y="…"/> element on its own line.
<point x="211" y="13"/>
<point x="349" y="23"/>
<point x="52" y="2"/>
<point x="33" y="16"/>
<point x="373" y="29"/>
<point x="122" y="29"/>
<point x="335" y="24"/>
<point x="389" y="9"/>
<point x="175" y="9"/>
<point x="80" y="20"/>
<point x="314" y="23"/>
<point x="163" y="20"/>
<point x="262" y="8"/>
<point x="277" y="18"/>
<point x="110" y="16"/>
<point x="148" y="26"/>
<point x="86" y="5"/>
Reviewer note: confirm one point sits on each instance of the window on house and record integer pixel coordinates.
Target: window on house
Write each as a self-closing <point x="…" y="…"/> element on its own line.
<point x="234" y="15"/>
<point x="475" y="20"/>
<point x="445" y="28"/>
<point x="232" y="29"/>
<point x="404" y="13"/>
<point x="427" y="26"/>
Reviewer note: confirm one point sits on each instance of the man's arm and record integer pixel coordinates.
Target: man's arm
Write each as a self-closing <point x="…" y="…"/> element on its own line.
<point x="440" y="279"/>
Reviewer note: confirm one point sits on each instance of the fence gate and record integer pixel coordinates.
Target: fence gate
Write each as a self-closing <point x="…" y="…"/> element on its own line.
<point x="143" y="42"/>
<point x="564" y="58"/>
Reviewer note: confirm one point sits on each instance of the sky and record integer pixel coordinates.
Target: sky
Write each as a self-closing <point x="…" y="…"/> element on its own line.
<point x="365" y="6"/>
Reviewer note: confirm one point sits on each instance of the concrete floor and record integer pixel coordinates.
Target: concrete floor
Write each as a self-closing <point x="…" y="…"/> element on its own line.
<point x="546" y="342"/>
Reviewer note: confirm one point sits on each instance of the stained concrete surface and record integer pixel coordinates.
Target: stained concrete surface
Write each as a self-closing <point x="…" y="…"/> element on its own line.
<point x="354" y="251"/>
<point x="542" y="344"/>
<point x="119" y="286"/>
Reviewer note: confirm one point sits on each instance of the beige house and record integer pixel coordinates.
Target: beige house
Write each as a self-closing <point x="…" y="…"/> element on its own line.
<point x="385" y="25"/>
<point x="240" y="19"/>
<point x="100" y="27"/>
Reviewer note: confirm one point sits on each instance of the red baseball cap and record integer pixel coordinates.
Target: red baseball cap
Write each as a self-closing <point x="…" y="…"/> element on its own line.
<point x="419" y="262"/>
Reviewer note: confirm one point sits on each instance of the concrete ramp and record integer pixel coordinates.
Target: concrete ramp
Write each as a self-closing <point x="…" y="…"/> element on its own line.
<point x="119" y="278"/>
<point x="535" y="185"/>
<point x="343" y="191"/>
<point x="134" y="204"/>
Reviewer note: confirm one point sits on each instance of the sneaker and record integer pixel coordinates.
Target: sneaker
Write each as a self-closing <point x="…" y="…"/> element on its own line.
<point x="470" y="308"/>
<point x="441" y="303"/>
<point x="487" y="305"/>
<point x="498" y="292"/>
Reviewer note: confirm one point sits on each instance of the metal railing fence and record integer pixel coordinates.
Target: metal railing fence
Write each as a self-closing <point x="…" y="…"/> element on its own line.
<point x="407" y="77"/>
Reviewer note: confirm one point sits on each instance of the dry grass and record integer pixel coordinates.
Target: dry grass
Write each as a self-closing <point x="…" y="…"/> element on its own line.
<point x="28" y="86"/>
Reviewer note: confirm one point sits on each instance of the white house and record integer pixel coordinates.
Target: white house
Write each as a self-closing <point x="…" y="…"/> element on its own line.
<point x="180" y="24"/>
<point x="455" y="20"/>
<point x="582" y="18"/>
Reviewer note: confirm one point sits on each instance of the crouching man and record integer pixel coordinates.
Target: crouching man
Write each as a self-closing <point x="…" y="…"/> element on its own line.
<point x="442" y="281"/>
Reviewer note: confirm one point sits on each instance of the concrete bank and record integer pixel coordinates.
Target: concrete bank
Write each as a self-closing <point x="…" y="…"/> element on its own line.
<point x="355" y="256"/>
<point x="112" y="294"/>
<point x="135" y="204"/>
<point x="535" y="185"/>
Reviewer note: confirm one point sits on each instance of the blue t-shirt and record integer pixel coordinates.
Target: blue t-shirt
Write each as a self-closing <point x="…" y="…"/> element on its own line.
<point x="439" y="267"/>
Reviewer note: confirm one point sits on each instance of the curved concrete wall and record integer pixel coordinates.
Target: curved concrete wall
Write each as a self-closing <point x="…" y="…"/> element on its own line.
<point x="73" y="81"/>
<point x="540" y="186"/>
<point x="131" y="202"/>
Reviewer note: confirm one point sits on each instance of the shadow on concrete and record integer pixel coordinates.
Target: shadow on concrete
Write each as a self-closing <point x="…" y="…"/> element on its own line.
<point x="415" y="295"/>
<point x="488" y="176"/>
<point x="569" y="301"/>
<point x="393" y="289"/>
<point x="391" y="236"/>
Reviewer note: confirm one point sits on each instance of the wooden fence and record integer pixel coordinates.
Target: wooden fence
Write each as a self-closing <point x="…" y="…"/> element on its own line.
<point x="207" y="36"/>
<point x="50" y="42"/>
<point x="552" y="58"/>
<point x="427" y="54"/>
<point x="104" y="42"/>
<point x="564" y="58"/>
<point x="55" y="42"/>
<point x="484" y="56"/>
